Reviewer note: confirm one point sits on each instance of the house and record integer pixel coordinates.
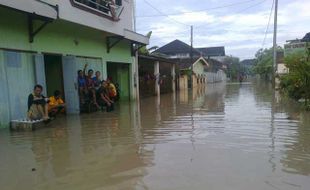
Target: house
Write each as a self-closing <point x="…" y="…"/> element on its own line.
<point x="180" y="52"/>
<point x="179" y="49"/>
<point x="176" y="50"/>
<point x="306" y="38"/>
<point x="297" y="45"/>
<point x="157" y="75"/>
<point x="198" y="65"/>
<point x="217" y="53"/>
<point x="281" y="68"/>
<point x="248" y="63"/>
<point x="46" y="42"/>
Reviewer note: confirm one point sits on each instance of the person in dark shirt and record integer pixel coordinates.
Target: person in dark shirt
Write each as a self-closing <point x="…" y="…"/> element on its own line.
<point x="103" y="97"/>
<point x="37" y="104"/>
<point x="97" y="80"/>
<point x="83" y="91"/>
<point x="91" y="85"/>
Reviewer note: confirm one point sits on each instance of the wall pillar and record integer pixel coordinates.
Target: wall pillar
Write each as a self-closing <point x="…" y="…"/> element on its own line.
<point x="173" y="77"/>
<point x="157" y="76"/>
<point x="194" y="81"/>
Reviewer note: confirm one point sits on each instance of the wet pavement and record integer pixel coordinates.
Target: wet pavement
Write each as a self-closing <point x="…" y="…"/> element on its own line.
<point x="234" y="137"/>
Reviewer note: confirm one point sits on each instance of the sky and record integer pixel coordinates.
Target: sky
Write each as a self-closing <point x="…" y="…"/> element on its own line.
<point x="239" y="25"/>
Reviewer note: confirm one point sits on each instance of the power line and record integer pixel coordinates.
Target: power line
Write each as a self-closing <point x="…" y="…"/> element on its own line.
<point x="203" y="10"/>
<point x="240" y="11"/>
<point x="267" y="28"/>
<point x="164" y="14"/>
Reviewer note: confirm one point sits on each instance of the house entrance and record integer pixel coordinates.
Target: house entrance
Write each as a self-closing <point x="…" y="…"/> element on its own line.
<point x="120" y="74"/>
<point x="53" y="74"/>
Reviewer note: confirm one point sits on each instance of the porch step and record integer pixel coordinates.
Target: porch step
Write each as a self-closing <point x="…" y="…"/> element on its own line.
<point x="26" y="124"/>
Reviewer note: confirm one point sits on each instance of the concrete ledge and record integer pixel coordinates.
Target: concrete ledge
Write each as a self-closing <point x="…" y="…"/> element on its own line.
<point x="24" y="124"/>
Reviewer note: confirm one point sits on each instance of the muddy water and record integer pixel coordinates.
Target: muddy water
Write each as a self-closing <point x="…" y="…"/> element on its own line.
<point x="234" y="137"/>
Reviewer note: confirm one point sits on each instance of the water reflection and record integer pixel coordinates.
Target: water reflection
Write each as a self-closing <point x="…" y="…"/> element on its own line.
<point x="223" y="136"/>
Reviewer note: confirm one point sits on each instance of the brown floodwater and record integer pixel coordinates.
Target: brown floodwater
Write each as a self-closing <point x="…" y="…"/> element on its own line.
<point x="223" y="137"/>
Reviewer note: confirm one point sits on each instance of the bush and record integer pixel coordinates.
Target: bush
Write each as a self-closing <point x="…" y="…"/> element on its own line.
<point x="297" y="82"/>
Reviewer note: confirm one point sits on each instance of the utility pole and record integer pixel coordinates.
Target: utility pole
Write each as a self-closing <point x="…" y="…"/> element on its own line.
<point x="274" y="68"/>
<point x="191" y="55"/>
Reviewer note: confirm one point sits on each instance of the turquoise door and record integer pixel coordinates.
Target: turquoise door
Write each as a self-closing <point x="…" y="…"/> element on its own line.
<point x="40" y="71"/>
<point x="70" y="84"/>
<point x="124" y="82"/>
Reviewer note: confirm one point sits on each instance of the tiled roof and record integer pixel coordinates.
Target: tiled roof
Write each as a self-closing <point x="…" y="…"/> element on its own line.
<point x="212" y="51"/>
<point x="184" y="63"/>
<point x="175" y="47"/>
<point x="306" y="38"/>
<point x="248" y="62"/>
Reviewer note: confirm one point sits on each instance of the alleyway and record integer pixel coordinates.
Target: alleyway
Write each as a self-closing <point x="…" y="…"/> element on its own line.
<point x="226" y="136"/>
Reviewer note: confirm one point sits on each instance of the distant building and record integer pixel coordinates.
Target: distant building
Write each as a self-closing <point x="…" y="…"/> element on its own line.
<point x="217" y="53"/>
<point x="248" y="62"/>
<point x="281" y="68"/>
<point x="214" y="56"/>
<point x="177" y="49"/>
<point x="297" y="45"/>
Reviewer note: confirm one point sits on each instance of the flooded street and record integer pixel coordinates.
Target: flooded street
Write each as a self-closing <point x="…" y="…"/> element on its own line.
<point x="226" y="136"/>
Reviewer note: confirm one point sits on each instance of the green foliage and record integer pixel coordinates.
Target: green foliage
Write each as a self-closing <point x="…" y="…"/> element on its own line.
<point x="144" y="50"/>
<point x="297" y="82"/>
<point x="264" y="61"/>
<point x="235" y="69"/>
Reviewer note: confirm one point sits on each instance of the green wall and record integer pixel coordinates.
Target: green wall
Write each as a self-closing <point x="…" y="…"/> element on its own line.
<point x="59" y="37"/>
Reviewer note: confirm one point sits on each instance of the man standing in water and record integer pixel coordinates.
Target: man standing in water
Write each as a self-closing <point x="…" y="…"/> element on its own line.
<point x="37" y="104"/>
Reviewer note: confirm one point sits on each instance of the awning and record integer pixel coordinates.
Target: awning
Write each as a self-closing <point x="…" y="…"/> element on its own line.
<point x="135" y="37"/>
<point x="30" y="6"/>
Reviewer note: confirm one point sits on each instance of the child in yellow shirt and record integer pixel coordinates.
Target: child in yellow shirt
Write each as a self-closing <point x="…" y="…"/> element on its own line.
<point x="56" y="104"/>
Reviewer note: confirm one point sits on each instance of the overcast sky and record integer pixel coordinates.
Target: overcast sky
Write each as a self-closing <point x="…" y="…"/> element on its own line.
<point x="239" y="25"/>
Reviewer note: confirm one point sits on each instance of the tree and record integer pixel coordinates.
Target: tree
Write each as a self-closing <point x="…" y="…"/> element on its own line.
<point x="264" y="62"/>
<point x="234" y="68"/>
<point x="144" y="50"/>
<point x="297" y="82"/>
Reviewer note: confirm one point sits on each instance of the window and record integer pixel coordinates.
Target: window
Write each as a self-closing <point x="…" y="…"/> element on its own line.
<point x="13" y="59"/>
<point x="118" y="2"/>
<point x="107" y="8"/>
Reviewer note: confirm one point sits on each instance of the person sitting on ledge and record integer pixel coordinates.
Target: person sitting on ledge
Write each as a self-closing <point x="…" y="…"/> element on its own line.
<point x="111" y="89"/>
<point x="103" y="97"/>
<point x="56" y="105"/>
<point x="90" y="85"/>
<point x="97" y="80"/>
<point x="37" y="104"/>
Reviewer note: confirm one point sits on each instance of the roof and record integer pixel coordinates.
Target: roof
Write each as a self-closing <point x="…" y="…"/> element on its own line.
<point x="156" y="58"/>
<point x="248" y="62"/>
<point x="306" y="38"/>
<point x="175" y="47"/>
<point x="185" y="63"/>
<point x="212" y="51"/>
<point x="31" y="6"/>
<point x="215" y="65"/>
<point x="55" y="9"/>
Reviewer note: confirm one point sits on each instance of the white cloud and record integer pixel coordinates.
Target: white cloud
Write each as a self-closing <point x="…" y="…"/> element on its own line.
<point x="241" y="33"/>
